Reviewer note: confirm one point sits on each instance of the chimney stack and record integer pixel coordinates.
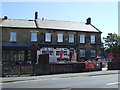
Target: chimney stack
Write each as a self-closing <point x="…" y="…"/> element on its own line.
<point x="42" y="19"/>
<point x="5" y="18"/>
<point x="88" y="21"/>
<point x="36" y="15"/>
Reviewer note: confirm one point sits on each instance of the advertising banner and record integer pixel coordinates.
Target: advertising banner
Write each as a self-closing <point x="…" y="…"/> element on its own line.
<point x="90" y="65"/>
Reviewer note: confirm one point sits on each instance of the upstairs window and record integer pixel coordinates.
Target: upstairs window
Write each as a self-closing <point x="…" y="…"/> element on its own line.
<point x="82" y="52"/>
<point x="34" y="36"/>
<point x="60" y="38"/>
<point x="92" y="38"/>
<point x="82" y="38"/>
<point x="48" y="37"/>
<point x="13" y="36"/>
<point x="71" y="38"/>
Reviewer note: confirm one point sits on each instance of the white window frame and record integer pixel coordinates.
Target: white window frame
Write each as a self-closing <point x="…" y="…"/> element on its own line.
<point x="60" y="37"/>
<point x="63" y="50"/>
<point x="47" y="37"/>
<point x="71" y="38"/>
<point x="82" y="52"/>
<point x="49" y="51"/>
<point x="93" y="53"/>
<point x="92" y="39"/>
<point x="13" y="36"/>
<point x="34" y="36"/>
<point x="82" y="38"/>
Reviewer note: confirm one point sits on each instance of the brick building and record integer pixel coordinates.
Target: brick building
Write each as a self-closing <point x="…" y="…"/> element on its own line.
<point x="25" y="40"/>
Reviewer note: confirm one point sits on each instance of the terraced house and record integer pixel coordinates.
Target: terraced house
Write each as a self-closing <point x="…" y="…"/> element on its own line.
<point x="25" y="40"/>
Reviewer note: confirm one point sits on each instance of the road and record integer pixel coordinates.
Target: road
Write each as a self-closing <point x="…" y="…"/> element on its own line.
<point x="68" y="81"/>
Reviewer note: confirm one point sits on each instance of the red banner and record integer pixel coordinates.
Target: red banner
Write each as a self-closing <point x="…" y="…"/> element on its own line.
<point x="111" y="55"/>
<point x="90" y="65"/>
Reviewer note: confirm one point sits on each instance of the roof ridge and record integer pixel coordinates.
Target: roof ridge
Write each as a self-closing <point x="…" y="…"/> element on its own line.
<point x="63" y="21"/>
<point x="21" y="19"/>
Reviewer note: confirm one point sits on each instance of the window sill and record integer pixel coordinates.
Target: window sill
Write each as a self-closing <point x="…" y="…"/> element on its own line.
<point x="71" y="42"/>
<point x="60" y="42"/>
<point x="92" y="56"/>
<point x="13" y="41"/>
<point x="34" y="41"/>
<point x="82" y="43"/>
<point x="48" y="42"/>
<point x="92" y="43"/>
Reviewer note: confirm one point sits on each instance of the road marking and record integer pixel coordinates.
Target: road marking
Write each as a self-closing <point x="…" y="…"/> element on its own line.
<point x="23" y="81"/>
<point x="113" y="83"/>
<point x="65" y="78"/>
<point x="101" y="75"/>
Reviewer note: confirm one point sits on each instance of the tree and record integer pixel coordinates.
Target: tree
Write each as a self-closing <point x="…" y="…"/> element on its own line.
<point x="112" y="44"/>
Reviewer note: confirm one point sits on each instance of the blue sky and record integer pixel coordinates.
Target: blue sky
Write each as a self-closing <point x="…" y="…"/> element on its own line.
<point x="104" y="15"/>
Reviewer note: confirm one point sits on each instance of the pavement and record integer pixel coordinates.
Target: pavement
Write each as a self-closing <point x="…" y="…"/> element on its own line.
<point x="68" y="75"/>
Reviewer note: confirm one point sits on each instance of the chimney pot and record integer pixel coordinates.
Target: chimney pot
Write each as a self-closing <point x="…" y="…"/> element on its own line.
<point x="88" y="21"/>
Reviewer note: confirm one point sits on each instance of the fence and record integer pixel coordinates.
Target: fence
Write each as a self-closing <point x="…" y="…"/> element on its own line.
<point x="17" y="70"/>
<point x="115" y="65"/>
<point x="43" y="69"/>
<point x="66" y="68"/>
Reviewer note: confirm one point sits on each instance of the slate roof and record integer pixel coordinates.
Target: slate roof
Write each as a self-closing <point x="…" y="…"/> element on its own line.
<point x="49" y="24"/>
<point x="65" y="25"/>
<point x="18" y="23"/>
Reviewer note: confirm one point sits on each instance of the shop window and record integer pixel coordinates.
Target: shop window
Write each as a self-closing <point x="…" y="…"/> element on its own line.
<point x="29" y="55"/>
<point x="92" y="53"/>
<point x="49" y="51"/>
<point x="13" y="56"/>
<point x="21" y="56"/>
<point x="3" y="56"/>
<point x="57" y="53"/>
<point x="65" y="53"/>
<point x="82" y="53"/>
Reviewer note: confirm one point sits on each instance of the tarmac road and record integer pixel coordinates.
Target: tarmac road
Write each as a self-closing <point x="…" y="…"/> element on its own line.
<point x="101" y="79"/>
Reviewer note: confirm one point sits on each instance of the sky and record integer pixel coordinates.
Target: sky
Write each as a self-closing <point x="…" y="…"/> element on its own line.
<point x="104" y="15"/>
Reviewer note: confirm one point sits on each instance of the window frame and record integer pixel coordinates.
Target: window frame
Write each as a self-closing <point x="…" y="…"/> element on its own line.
<point x="73" y="38"/>
<point x="83" y="52"/>
<point x="82" y="38"/>
<point x="13" y="36"/>
<point x="92" y="39"/>
<point x="34" y="36"/>
<point x="92" y="51"/>
<point x="50" y="37"/>
<point x="60" y="38"/>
